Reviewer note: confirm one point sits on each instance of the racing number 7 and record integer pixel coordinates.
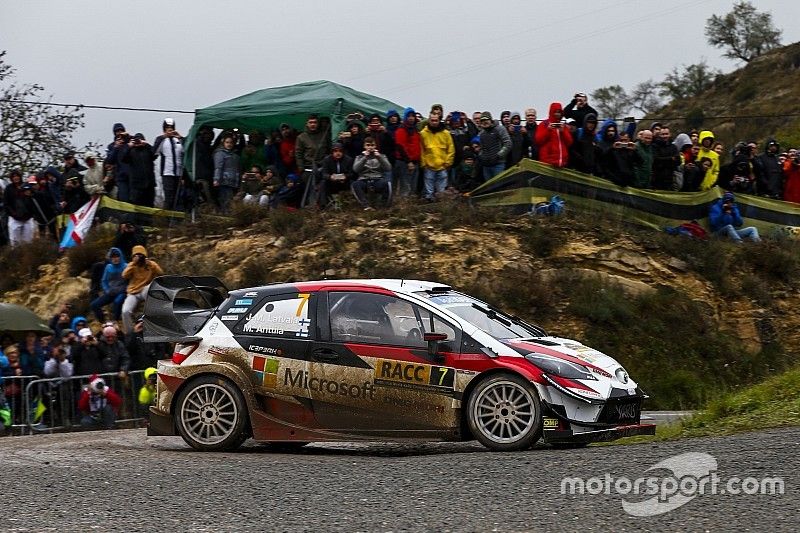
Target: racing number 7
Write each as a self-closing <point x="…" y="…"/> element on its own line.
<point x="303" y="301"/>
<point x="443" y="372"/>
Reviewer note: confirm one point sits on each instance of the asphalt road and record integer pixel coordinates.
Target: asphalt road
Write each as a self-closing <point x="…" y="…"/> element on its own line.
<point x="125" y="481"/>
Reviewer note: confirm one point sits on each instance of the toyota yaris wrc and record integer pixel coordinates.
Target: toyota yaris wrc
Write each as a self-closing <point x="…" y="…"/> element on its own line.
<point x="373" y="360"/>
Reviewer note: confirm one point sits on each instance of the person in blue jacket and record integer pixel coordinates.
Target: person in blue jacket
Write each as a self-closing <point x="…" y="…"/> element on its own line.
<point x="113" y="285"/>
<point x="724" y="218"/>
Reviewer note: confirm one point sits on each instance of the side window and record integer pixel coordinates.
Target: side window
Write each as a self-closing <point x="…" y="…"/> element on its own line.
<point x="437" y="326"/>
<point x="285" y="315"/>
<point x="379" y="319"/>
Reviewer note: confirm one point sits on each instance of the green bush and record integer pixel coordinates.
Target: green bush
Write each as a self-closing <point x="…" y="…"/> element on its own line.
<point x="92" y="250"/>
<point x="21" y="264"/>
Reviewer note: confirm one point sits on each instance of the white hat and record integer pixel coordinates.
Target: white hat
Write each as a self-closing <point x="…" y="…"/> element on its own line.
<point x="85" y="332"/>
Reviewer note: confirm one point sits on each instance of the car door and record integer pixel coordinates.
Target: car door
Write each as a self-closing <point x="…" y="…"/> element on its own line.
<point x="371" y="367"/>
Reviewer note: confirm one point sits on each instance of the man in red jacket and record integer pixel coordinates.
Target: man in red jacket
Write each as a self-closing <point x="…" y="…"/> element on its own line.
<point x="98" y="404"/>
<point x="408" y="150"/>
<point x="553" y="138"/>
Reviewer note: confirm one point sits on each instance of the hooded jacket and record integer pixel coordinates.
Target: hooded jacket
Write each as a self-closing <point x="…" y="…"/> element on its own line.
<point x="769" y="172"/>
<point x="791" y="190"/>
<point x="227" y="168"/>
<point x="583" y="152"/>
<point x="718" y="218"/>
<point x="139" y="276"/>
<point x="74" y="324"/>
<point x="711" y="176"/>
<point x="553" y="143"/>
<point x="407" y="140"/>
<point x="114" y="156"/>
<point x="438" y="150"/>
<point x="666" y="160"/>
<point x="112" y="280"/>
<point x="495" y="145"/>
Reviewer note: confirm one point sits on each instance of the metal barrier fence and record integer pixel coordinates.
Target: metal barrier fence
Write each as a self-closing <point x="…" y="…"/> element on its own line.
<point x="48" y="405"/>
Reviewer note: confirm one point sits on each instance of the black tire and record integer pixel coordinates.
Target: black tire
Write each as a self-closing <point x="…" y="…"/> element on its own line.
<point x="504" y="413"/>
<point x="211" y="414"/>
<point x="569" y="445"/>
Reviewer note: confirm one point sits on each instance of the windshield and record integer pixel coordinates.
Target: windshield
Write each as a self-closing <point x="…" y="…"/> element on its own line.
<point x="496" y="323"/>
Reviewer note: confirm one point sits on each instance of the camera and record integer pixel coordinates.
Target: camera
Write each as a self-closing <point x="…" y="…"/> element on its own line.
<point x="97" y="385"/>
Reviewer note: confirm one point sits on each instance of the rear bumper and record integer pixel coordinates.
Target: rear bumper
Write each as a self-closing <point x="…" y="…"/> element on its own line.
<point x="599" y="435"/>
<point x="161" y="424"/>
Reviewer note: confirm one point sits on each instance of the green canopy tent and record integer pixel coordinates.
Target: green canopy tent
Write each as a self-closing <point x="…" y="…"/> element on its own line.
<point x="266" y="109"/>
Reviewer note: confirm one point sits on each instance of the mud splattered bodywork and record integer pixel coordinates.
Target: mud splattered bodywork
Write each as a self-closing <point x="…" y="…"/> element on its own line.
<point x="373" y="359"/>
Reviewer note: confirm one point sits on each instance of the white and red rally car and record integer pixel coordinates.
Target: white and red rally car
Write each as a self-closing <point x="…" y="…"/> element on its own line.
<point x="344" y="360"/>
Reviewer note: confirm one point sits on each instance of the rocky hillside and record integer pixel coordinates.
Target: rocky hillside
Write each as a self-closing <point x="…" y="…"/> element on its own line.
<point x="687" y="318"/>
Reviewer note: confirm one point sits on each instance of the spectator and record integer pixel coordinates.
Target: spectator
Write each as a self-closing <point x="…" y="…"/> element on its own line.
<point x="168" y="148"/>
<point x="437" y="155"/>
<point x="578" y="108"/>
<point x="143" y="354"/>
<point x="791" y="170"/>
<point x="18" y="202"/>
<point x="72" y="167"/>
<point x="311" y="147"/>
<point x="724" y="218"/>
<point x="583" y="152"/>
<point x="128" y="236"/>
<point x="720" y="149"/>
<point x="204" y="162"/>
<point x="74" y="196"/>
<point x="58" y="366"/>
<point x="553" y="139"/>
<point x="706" y="144"/>
<point x="45" y="203"/>
<point x="94" y="180"/>
<point x="374" y="171"/>
<point x="530" y="127"/>
<point x="69" y="341"/>
<point x="520" y="141"/>
<point x="139" y="157"/>
<point x="147" y="393"/>
<point x="290" y="194"/>
<point x="505" y="119"/>
<point x="736" y="176"/>
<point x="32" y="354"/>
<point x="392" y="121"/>
<point x="618" y="155"/>
<point x="384" y="141"/>
<point x="98" y="404"/>
<point x="466" y="177"/>
<point x="227" y="172"/>
<point x="337" y="174"/>
<point x="113" y="285"/>
<point x="643" y="171"/>
<point x="683" y="143"/>
<point x="495" y="145"/>
<point x="352" y="139"/>
<point x="286" y="149"/>
<point x="114" y="356"/>
<point x="408" y="153"/>
<point x="769" y="171"/>
<point x="460" y="133"/>
<point x="114" y="156"/>
<point x="85" y="354"/>
<point x="253" y="153"/>
<point x="694" y="171"/>
<point x="61" y="320"/>
<point x="666" y="160"/>
<point x="140" y="272"/>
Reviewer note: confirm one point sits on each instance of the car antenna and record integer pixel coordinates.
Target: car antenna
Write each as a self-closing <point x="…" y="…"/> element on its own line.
<point x="401" y="281"/>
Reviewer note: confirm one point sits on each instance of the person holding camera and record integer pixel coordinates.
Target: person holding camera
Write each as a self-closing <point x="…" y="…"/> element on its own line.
<point x="791" y="172"/>
<point x="98" y="405"/>
<point x="113" y="286"/>
<point x="724" y="219"/>
<point x="169" y="148"/>
<point x="115" y="151"/>
<point x="86" y="356"/>
<point x="578" y="108"/>
<point x="142" y="182"/>
<point x="553" y="138"/>
<point x="374" y="174"/>
<point x="140" y="272"/>
<point x="337" y="173"/>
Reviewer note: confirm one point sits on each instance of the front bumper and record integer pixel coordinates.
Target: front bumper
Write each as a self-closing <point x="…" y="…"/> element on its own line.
<point x="598" y="435"/>
<point x="161" y="424"/>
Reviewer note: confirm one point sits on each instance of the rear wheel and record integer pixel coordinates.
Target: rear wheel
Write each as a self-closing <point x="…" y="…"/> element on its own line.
<point x="504" y="413"/>
<point x="211" y="414"/>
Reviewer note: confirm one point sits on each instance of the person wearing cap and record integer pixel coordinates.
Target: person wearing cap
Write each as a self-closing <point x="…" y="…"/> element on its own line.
<point x="578" y="108"/>
<point x="72" y="166"/>
<point x="74" y="195"/>
<point x="168" y="148"/>
<point x="113" y="284"/>
<point x="121" y="170"/>
<point x="769" y="171"/>
<point x="495" y="145"/>
<point x="113" y="354"/>
<point x="139" y="157"/>
<point x="18" y="202"/>
<point x="85" y="354"/>
<point x="96" y="180"/>
<point x="98" y="404"/>
<point x="737" y="175"/>
<point x="583" y="151"/>
<point x="438" y="154"/>
<point x="520" y="140"/>
<point x="725" y="219"/>
<point x="147" y="392"/>
<point x="337" y="174"/>
<point x="140" y="272"/>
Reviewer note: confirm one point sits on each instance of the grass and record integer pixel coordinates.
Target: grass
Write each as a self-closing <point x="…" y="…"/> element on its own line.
<point x="772" y="403"/>
<point x="21" y="263"/>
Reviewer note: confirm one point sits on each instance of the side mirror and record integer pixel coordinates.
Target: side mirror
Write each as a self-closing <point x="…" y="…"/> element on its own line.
<point x="433" y="339"/>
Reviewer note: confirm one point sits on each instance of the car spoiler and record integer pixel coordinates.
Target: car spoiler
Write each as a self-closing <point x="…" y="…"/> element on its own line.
<point x="176" y="307"/>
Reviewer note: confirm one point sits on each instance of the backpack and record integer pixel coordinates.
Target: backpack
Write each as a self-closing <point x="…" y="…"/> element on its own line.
<point x="689" y="229"/>
<point x="552" y="208"/>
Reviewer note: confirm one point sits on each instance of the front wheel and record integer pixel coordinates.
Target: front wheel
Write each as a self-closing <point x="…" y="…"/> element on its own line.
<point x="504" y="413"/>
<point x="212" y="414"/>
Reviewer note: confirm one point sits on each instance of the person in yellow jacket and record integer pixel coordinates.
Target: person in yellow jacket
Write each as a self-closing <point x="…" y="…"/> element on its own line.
<point x="706" y="144"/>
<point x="438" y="154"/>
<point x="139" y="273"/>
<point x="147" y="394"/>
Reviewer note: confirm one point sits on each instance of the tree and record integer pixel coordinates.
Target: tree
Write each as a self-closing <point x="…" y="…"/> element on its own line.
<point x="645" y="97"/>
<point x="31" y="131"/>
<point x="744" y="32"/>
<point x="693" y="80"/>
<point x="611" y="101"/>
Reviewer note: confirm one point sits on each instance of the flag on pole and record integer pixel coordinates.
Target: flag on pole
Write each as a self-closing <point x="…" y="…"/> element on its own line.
<point x="79" y="223"/>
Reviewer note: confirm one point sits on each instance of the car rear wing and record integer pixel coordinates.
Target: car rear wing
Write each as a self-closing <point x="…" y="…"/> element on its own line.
<point x="176" y="307"/>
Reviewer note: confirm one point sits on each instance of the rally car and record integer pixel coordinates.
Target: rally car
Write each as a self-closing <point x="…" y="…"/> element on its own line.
<point x="345" y="360"/>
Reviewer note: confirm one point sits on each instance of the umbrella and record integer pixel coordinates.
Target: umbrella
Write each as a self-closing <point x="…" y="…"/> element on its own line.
<point x="17" y="320"/>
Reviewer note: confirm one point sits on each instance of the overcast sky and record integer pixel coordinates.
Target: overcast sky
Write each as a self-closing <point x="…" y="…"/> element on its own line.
<point x="467" y="54"/>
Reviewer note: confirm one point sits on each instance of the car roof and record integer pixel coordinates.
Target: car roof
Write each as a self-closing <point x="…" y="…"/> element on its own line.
<point x="402" y="286"/>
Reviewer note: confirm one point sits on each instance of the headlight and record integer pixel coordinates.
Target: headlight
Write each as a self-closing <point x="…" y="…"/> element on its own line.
<point x="622" y="375"/>
<point x="559" y="367"/>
